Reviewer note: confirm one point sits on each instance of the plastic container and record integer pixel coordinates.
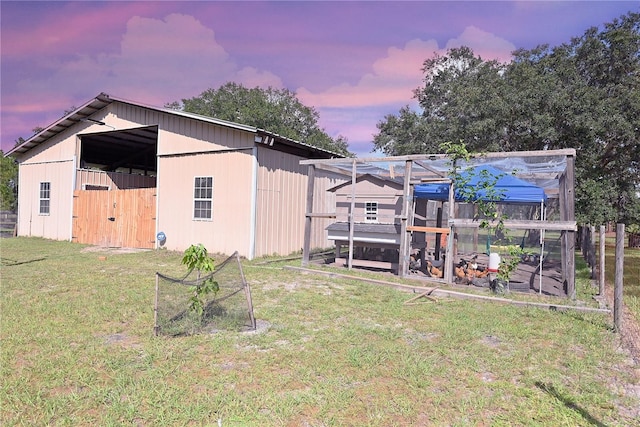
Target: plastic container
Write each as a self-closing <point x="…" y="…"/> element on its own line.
<point x="494" y="262"/>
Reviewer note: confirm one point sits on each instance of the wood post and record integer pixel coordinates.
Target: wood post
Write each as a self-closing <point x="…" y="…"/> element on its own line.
<point x="602" y="262"/>
<point x="450" y="253"/>
<point x="568" y="237"/>
<point x="405" y="242"/>
<point x="311" y="175"/>
<point x="592" y="250"/>
<point x="617" y="289"/>
<point x="352" y="213"/>
<point x="437" y="245"/>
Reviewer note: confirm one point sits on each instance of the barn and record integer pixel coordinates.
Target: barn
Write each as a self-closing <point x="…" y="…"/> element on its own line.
<point x="118" y="173"/>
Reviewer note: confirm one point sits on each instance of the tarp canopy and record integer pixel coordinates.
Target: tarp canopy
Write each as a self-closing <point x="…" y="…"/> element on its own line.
<point x="507" y="188"/>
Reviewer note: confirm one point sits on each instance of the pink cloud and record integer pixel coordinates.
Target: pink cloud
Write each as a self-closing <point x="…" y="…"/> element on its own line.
<point x="159" y="61"/>
<point x="395" y="76"/>
<point x="484" y="44"/>
<point x="390" y="85"/>
<point x="69" y="28"/>
<point x="393" y="79"/>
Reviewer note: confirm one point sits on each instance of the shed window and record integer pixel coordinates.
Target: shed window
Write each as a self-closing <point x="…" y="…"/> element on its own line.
<point x="203" y="197"/>
<point x="371" y="212"/>
<point x="45" y="198"/>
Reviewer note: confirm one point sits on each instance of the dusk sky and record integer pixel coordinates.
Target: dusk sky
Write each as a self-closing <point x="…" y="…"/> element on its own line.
<point x="354" y="62"/>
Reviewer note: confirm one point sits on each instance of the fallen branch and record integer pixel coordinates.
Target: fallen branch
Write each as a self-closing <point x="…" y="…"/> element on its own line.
<point x="425" y="294"/>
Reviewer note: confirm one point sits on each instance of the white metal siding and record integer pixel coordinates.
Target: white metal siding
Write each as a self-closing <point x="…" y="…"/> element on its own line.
<point x="57" y="224"/>
<point x="229" y="229"/>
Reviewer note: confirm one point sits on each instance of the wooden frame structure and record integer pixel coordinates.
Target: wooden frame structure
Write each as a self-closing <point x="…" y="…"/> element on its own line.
<point x="566" y="225"/>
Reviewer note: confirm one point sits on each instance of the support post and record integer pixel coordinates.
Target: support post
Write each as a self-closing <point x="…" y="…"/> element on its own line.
<point x="156" y="328"/>
<point x="437" y="245"/>
<point x="352" y="221"/>
<point x="568" y="239"/>
<point x="403" y="261"/>
<point x="311" y="175"/>
<point x="449" y="256"/>
<point x="602" y="262"/>
<point x="617" y="289"/>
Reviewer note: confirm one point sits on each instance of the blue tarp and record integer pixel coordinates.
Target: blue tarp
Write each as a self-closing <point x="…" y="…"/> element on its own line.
<point x="508" y="188"/>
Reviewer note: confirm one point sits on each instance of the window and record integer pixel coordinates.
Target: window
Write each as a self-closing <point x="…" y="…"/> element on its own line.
<point x="45" y="198"/>
<point x="202" y="197"/>
<point x="95" y="187"/>
<point x="371" y="212"/>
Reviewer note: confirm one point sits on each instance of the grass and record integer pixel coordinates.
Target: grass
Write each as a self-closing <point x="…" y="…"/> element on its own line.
<point x="78" y="349"/>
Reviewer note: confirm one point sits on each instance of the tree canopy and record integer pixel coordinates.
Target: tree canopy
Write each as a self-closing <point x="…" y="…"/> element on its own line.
<point x="583" y="94"/>
<point x="275" y="110"/>
<point x="8" y="182"/>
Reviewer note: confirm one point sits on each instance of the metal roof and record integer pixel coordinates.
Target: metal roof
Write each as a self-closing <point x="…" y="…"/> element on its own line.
<point x="84" y="112"/>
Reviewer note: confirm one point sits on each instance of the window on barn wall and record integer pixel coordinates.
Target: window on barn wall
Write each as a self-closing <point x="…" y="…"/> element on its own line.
<point x="95" y="187"/>
<point x="371" y="212"/>
<point x="45" y="198"/>
<point x="203" y="197"/>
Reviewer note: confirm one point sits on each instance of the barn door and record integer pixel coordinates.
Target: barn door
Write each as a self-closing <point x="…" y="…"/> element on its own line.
<point x="117" y="218"/>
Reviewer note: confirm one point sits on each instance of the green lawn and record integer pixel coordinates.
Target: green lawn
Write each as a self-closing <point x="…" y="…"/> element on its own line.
<point x="78" y="349"/>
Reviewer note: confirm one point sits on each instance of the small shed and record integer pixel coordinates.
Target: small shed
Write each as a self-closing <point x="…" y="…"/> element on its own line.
<point x="376" y="230"/>
<point x="119" y="173"/>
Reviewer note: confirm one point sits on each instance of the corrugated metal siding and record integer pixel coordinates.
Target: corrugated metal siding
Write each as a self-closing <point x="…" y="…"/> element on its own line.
<point x="113" y="180"/>
<point x="281" y="204"/>
<point x="229" y="230"/>
<point x="56" y="225"/>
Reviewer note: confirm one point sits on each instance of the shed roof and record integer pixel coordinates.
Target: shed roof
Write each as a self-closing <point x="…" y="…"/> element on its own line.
<point x="380" y="180"/>
<point x="84" y="112"/>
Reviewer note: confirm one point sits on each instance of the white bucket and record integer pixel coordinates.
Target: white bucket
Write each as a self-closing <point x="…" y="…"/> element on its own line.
<point x="494" y="262"/>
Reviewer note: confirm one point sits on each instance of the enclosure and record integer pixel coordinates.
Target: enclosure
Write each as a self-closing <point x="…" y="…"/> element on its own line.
<point x="432" y="217"/>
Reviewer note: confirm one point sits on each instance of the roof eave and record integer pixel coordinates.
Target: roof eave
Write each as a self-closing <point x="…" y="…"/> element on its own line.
<point x="103" y="99"/>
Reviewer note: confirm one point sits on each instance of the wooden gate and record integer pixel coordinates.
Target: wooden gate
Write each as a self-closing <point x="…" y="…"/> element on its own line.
<point x="116" y="218"/>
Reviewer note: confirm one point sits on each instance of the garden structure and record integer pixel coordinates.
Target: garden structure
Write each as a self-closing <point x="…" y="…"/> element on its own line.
<point x="427" y="216"/>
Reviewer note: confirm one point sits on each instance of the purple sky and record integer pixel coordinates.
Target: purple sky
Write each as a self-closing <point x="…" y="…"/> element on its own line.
<point x="354" y="62"/>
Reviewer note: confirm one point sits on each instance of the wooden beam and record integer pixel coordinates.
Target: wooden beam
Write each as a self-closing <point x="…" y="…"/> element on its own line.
<point x="519" y="224"/>
<point x="422" y="229"/>
<point x="320" y="215"/>
<point x="368" y="264"/>
<point x="437" y="292"/>
<point x="441" y="174"/>
<point x="424" y="157"/>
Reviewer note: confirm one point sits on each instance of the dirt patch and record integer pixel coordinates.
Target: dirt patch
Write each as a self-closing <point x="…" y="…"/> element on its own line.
<point x="110" y="250"/>
<point x="121" y="339"/>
